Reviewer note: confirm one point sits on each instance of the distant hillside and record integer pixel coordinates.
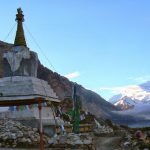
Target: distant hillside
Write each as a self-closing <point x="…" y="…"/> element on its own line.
<point x="63" y="87"/>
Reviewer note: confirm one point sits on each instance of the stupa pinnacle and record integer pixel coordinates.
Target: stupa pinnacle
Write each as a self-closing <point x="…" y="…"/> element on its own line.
<point x="20" y="38"/>
<point x="20" y="61"/>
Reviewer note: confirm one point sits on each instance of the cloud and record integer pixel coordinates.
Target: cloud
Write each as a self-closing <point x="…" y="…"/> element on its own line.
<point x="130" y="91"/>
<point x="132" y="88"/>
<point x="114" y="90"/>
<point x="72" y="75"/>
<point x="122" y="89"/>
<point x="141" y="79"/>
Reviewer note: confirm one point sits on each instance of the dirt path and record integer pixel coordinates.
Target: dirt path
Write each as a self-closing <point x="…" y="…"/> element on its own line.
<point x="107" y="143"/>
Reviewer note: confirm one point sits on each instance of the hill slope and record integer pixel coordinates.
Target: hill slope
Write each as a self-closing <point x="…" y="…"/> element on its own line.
<point x="92" y="102"/>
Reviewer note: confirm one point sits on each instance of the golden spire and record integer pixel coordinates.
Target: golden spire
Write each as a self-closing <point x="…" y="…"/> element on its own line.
<point x="20" y="39"/>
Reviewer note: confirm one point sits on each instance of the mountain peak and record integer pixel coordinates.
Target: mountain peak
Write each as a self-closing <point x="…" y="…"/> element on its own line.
<point x="132" y="95"/>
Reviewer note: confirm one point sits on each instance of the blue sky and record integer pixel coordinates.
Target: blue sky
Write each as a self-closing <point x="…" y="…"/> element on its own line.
<point x="101" y="44"/>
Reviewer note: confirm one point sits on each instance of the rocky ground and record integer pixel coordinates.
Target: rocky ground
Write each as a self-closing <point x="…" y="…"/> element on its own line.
<point x="132" y="141"/>
<point x="121" y="138"/>
<point x="15" y="136"/>
<point x="72" y="141"/>
<point x="107" y="143"/>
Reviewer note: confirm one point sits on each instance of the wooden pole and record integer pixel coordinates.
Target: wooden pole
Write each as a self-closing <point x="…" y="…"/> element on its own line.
<point x="41" y="126"/>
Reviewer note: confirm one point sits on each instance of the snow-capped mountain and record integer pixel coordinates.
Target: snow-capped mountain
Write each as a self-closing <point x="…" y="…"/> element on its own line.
<point x="131" y="96"/>
<point x="126" y="103"/>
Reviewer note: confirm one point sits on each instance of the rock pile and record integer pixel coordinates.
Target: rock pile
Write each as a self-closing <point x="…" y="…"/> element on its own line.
<point x="71" y="140"/>
<point x="14" y="134"/>
<point x="103" y="130"/>
<point x="136" y="142"/>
